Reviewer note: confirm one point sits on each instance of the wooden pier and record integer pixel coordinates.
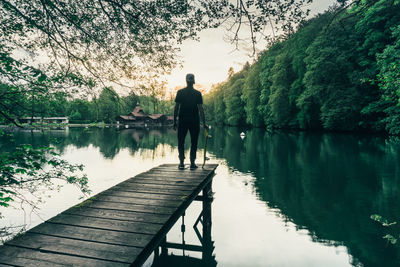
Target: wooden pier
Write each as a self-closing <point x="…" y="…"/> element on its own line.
<point x="121" y="226"/>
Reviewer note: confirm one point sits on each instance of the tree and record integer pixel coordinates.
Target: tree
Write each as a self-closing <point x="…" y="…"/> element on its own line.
<point x="281" y="79"/>
<point x="251" y="95"/>
<point x="231" y="71"/>
<point x="128" y="103"/>
<point x="267" y="62"/>
<point x="331" y="97"/>
<point x="108" y="104"/>
<point x="156" y="91"/>
<point x="235" y="114"/>
<point x="389" y="83"/>
<point x="214" y="105"/>
<point x="81" y="107"/>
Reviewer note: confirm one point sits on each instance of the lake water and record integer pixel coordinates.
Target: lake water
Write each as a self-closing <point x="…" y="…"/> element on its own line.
<point x="281" y="199"/>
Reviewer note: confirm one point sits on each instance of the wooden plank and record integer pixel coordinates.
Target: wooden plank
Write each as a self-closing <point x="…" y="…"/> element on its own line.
<point x="179" y="183"/>
<point x="73" y="247"/>
<point x="160" y="187"/>
<point x="106" y="224"/>
<point x="131" y="207"/>
<point x="134" y="188"/>
<point x="197" y="172"/>
<point x="16" y="256"/>
<point x="94" y="235"/>
<point x="167" y="177"/>
<point x="122" y="215"/>
<point x="173" y="174"/>
<point x="137" y="201"/>
<point x="208" y="166"/>
<point x="144" y="196"/>
<point x="162" y="196"/>
<point x="207" y="169"/>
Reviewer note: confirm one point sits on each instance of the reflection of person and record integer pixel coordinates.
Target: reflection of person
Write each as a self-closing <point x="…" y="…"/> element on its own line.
<point x="188" y="103"/>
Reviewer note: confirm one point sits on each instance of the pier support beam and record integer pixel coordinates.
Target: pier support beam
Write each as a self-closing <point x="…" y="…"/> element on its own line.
<point x="207" y="245"/>
<point x="207" y="223"/>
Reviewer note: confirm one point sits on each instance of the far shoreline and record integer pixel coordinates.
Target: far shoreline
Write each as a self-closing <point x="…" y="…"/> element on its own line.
<point x="83" y="125"/>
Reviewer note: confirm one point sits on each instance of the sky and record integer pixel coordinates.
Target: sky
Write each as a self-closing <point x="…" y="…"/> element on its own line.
<point x="210" y="58"/>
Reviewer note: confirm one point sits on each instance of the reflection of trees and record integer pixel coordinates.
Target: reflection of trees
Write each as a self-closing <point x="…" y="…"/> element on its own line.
<point x="327" y="183"/>
<point x="109" y="140"/>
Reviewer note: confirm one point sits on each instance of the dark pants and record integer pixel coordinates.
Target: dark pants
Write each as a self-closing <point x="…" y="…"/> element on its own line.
<point x="194" y="129"/>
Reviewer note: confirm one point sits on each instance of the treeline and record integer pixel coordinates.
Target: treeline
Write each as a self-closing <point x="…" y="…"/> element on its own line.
<point x="102" y="108"/>
<point x="339" y="71"/>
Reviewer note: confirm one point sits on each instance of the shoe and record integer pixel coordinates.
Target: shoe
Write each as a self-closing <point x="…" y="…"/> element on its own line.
<point x="193" y="166"/>
<point x="181" y="166"/>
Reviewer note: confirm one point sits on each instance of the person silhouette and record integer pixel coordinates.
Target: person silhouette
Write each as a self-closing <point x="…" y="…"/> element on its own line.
<point x="188" y="105"/>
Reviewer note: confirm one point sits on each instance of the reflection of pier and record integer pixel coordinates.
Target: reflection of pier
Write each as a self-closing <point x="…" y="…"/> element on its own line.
<point x="207" y="245"/>
<point x="121" y="226"/>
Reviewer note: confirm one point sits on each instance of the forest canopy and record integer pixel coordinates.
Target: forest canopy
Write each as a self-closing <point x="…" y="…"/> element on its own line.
<point x="340" y="71"/>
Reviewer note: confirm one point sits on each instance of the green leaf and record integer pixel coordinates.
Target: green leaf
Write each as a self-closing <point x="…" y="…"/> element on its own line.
<point x="391" y="239"/>
<point x="42" y="78"/>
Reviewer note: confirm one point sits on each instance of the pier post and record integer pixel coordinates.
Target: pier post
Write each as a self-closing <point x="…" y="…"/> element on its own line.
<point x="207" y="221"/>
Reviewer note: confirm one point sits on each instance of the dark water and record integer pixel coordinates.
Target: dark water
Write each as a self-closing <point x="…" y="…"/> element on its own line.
<point x="281" y="199"/>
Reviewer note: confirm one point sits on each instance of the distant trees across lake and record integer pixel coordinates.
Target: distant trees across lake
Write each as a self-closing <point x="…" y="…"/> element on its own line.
<point x="103" y="108"/>
<point x="339" y="71"/>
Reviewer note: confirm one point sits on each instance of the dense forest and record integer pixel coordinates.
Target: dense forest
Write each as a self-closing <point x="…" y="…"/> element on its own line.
<point x="340" y="71"/>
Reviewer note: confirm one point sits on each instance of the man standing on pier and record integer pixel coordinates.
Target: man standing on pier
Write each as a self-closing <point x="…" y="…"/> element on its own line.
<point x="188" y="104"/>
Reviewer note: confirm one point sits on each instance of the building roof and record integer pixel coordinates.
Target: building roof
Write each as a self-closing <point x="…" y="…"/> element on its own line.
<point x="138" y="111"/>
<point x="156" y="116"/>
<point x="127" y="118"/>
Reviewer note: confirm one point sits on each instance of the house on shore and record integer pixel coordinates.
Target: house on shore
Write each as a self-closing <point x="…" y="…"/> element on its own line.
<point x="138" y="118"/>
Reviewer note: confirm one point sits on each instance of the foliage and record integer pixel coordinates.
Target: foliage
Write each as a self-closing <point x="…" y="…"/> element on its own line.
<point x="29" y="168"/>
<point x="251" y="96"/>
<point x="108" y="104"/>
<point x="389" y="82"/>
<point x="233" y="100"/>
<point x="27" y="172"/>
<point x="391" y="238"/>
<point x="153" y="98"/>
<point x="339" y="71"/>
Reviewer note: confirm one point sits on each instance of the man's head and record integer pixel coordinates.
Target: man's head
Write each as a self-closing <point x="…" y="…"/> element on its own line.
<point x="189" y="79"/>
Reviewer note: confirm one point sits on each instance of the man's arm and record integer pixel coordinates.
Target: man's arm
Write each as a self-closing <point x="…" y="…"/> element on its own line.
<point x="202" y="115"/>
<point x="176" y="111"/>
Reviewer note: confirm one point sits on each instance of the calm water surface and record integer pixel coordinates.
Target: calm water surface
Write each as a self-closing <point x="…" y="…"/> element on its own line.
<point x="281" y="199"/>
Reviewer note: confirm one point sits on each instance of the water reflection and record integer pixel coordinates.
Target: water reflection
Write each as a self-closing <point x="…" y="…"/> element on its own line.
<point x="327" y="185"/>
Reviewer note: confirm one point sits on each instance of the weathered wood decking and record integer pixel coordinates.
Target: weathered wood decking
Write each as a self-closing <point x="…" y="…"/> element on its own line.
<point x="118" y="227"/>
